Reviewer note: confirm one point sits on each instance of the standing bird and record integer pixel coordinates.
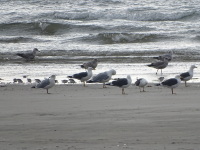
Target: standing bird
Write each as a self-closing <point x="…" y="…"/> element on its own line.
<point x="186" y="76"/>
<point x="121" y="83"/>
<point x="83" y="76"/>
<point x="167" y="56"/>
<point x="141" y="83"/>
<point x="30" y="55"/>
<point x="92" y="64"/>
<point x="46" y="83"/>
<point x="159" y="65"/>
<point x="103" y="77"/>
<point x="171" y="83"/>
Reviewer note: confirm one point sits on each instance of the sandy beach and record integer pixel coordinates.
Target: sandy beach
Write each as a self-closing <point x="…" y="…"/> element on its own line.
<point x="74" y="117"/>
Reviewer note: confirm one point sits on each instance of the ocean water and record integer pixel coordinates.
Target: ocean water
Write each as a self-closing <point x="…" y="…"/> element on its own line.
<point x="121" y="34"/>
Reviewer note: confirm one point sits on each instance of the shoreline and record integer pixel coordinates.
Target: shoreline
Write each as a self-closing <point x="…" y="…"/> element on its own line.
<point x="77" y="117"/>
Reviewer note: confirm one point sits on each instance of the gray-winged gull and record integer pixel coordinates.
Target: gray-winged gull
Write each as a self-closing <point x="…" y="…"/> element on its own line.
<point x="167" y="56"/>
<point x="171" y="83"/>
<point x="159" y="65"/>
<point x="46" y="83"/>
<point x="103" y="77"/>
<point x="92" y="64"/>
<point x="186" y="76"/>
<point x="141" y="83"/>
<point x="83" y="76"/>
<point x="121" y="83"/>
<point x="28" y="55"/>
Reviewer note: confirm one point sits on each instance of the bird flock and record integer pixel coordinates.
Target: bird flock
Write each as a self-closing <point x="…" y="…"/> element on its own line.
<point x="105" y="78"/>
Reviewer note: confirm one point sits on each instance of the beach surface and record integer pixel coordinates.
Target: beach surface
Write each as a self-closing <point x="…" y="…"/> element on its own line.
<point x="74" y="117"/>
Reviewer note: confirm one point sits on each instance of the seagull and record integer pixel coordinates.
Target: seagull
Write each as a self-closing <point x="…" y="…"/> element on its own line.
<point x="92" y="64"/>
<point x="141" y="83"/>
<point x="30" y="55"/>
<point x="167" y="56"/>
<point x="83" y="76"/>
<point x="159" y="65"/>
<point x="103" y="77"/>
<point x="171" y="83"/>
<point x="186" y="76"/>
<point x="121" y="83"/>
<point x="46" y="83"/>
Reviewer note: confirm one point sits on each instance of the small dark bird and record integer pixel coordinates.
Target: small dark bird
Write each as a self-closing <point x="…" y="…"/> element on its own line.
<point x="64" y="81"/>
<point x="37" y="80"/>
<point x="29" y="55"/>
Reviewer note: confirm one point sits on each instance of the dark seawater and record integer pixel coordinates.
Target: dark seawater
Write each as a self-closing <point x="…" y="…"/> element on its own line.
<point x="122" y="34"/>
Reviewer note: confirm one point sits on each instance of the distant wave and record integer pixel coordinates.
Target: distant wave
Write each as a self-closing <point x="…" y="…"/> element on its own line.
<point x="129" y="14"/>
<point x="113" y="38"/>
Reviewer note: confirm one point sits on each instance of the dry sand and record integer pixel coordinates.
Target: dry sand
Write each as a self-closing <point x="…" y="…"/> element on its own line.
<point x="74" y="117"/>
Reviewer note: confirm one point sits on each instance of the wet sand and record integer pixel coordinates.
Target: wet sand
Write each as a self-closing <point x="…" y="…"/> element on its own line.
<point x="74" y="117"/>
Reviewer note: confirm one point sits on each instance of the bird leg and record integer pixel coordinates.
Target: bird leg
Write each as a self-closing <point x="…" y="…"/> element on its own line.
<point x="123" y="92"/>
<point x="143" y="89"/>
<point x="173" y="91"/>
<point x="47" y="91"/>
<point x="104" y="86"/>
<point x="84" y="83"/>
<point x="185" y="84"/>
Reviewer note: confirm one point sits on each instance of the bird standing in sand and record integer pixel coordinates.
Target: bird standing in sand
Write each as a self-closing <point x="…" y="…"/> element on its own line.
<point x="46" y="83"/>
<point x="171" y="83"/>
<point x="121" y="83"/>
<point x="92" y="64"/>
<point x="186" y="76"/>
<point x="103" y="77"/>
<point x="29" y="55"/>
<point x="141" y="83"/>
<point x="83" y="76"/>
<point x="159" y="65"/>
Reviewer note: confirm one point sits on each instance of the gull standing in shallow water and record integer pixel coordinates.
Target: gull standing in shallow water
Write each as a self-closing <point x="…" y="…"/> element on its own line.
<point x="141" y="83"/>
<point x="92" y="64"/>
<point x="167" y="56"/>
<point x="171" y="83"/>
<point x="121" y="83"/>
<point x="46" y="83"/>
<point x="83" y="76"/>
<point x="103" y="77"/>
<point x="159" y="65"/>
<point x="28" y="56"/>
<point x="186" y="76"/>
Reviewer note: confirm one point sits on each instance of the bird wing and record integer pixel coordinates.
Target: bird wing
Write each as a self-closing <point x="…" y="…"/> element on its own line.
<point x="80" y="75"/>
<point x="43" y="84"/>
<point x="170" y="82"/>
<point x="120" y="82"/>
<point x="100" y="77"/>
<point x="185" y="75"/>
